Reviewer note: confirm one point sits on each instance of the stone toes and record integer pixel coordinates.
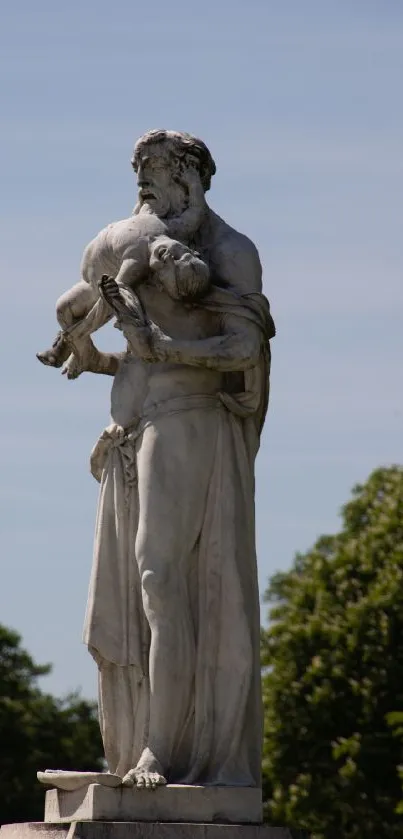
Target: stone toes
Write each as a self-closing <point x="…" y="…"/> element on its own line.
<point x="128" y="780"/>
<point x="143" y="779"/>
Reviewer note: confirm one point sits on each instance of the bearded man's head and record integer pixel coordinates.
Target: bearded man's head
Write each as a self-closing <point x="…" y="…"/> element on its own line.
<point x="160" y="159"/>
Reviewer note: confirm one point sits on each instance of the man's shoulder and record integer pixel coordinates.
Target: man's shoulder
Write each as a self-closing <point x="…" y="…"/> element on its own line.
<point x="234" y="253"/>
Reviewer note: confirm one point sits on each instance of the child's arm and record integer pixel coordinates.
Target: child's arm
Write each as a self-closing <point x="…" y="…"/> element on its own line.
<point x="131" y="273"/>
<point x="135" y="263"/>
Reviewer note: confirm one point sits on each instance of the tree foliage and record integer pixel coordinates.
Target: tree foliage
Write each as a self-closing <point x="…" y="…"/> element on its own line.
<point x="37" y="731"/>
<point x="333" y="677"/>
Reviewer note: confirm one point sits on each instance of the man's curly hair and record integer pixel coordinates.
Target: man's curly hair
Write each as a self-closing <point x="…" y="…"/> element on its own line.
<point x="183" y="145"/>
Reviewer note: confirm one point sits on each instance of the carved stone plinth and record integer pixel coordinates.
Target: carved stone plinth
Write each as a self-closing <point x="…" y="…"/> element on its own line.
<point x="145" y="830"/>
<point x="173" y="803"/>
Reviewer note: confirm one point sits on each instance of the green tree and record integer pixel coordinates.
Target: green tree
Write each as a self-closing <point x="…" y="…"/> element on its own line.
<point x="37" y="731"/>
<point x="333" y="674"/>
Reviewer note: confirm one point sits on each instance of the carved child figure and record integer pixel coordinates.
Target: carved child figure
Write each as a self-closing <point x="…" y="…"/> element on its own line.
<point x="128" y="250"/>
<point x="172" y="266"/>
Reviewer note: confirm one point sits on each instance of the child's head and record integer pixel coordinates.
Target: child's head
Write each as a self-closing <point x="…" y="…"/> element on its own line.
<point x="181" y="271"/>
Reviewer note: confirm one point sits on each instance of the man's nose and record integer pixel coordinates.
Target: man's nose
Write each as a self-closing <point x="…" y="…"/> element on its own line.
<point x="142" y="176"/>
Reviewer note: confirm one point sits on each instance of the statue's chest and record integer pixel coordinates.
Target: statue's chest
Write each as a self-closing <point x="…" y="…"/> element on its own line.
<point x="175" y="318"/>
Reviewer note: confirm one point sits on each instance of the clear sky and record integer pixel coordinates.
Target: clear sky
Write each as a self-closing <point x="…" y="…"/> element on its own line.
<point x="300" y="102"/>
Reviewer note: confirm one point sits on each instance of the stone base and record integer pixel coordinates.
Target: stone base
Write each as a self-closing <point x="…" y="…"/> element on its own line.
<point x="173" y="803"/>
<point x="145" y="830"/>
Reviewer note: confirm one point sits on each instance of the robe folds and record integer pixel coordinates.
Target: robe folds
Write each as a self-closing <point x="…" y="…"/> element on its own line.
<point x="221" y="739"/>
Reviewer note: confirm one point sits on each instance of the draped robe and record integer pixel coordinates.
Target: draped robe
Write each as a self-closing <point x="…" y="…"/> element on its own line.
<point x="221" y="741"/>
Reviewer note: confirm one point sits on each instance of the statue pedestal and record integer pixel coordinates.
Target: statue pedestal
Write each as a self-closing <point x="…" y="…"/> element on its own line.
<point x="172" y="812"/>
<point x="173" y="803"/>
<point x="145" y="830"/>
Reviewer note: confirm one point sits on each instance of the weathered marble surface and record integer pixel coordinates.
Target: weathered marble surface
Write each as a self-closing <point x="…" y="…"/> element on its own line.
<point x="173" y="610"/>
<point x="145" y="830"/>
<point x="166" y="804"/>
<point x="70" y="780"/>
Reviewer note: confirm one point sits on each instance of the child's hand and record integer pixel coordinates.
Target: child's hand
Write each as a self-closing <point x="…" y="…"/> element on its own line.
<point x="73" y="367"/>
<point x="109" y="288"/>
<point x="190" y="178"/>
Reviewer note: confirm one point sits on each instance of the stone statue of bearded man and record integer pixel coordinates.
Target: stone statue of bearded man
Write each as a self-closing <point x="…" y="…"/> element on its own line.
<point x="173" y="610"/>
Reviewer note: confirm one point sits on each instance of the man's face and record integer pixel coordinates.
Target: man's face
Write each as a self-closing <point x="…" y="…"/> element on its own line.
<point x="158" y="186"/>
<point x="164" y="255"/>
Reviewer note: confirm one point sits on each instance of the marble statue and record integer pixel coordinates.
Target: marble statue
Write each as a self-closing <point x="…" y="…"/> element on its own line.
<point x="173" y="610"/>
<point x="130" y="249"/>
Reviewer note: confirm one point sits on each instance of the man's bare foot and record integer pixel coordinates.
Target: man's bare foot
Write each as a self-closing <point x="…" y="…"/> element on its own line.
<point x="147" y="774"/>
<point x="58" y="353"/>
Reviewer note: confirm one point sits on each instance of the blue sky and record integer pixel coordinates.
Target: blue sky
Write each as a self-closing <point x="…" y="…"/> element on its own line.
<point x="300" y="104"/>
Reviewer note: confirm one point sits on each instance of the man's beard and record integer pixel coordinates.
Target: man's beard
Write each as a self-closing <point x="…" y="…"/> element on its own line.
<point x="157" y="204"/>
<point x="165" y="204"/>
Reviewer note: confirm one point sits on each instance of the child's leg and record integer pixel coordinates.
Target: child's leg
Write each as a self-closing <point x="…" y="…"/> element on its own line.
<point x="71" y="307"/>
<point x="75" y="304"/>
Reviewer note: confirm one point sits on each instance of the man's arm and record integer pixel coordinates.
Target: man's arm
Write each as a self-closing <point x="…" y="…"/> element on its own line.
<point x="236" y="348"/>
<point x="106" y="363"/>
<point x="93" y="361"/>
